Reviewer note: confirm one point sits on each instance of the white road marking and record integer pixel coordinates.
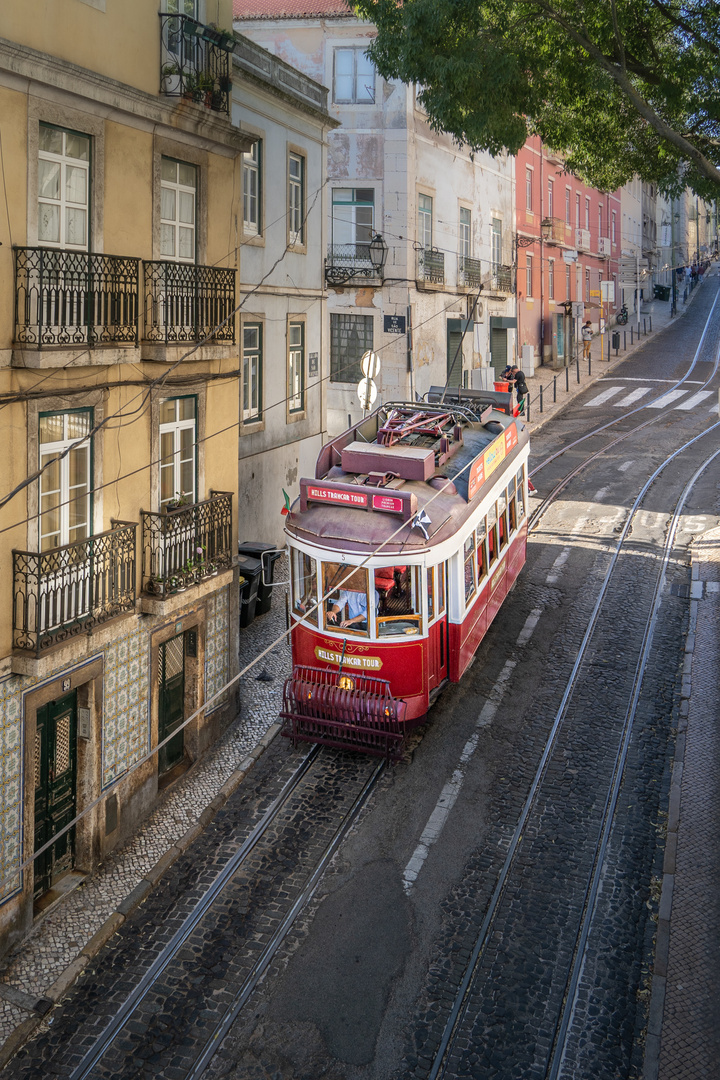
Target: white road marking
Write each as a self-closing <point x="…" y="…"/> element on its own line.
<point x="556" y="566"/>
<point x="448" y="796"/>
<point x="695" y="399"/>
<point x="605" y="396"/>
<point x="625" y="466"/>
<point x="600" y="495"/>
<point x="627" y="378"/>
<point x="666" y="399"/>
<point x="633" y="396"/>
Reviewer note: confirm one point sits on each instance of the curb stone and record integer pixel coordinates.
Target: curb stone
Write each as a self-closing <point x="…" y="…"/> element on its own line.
<point x="75" y="968"/>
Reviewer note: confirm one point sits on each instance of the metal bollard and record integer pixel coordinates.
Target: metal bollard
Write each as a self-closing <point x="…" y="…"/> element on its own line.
<point x="554" y="388"/>
<point x="577" y="369"/>
<point x="541" y="398"/>
<point x="567" y="380"/>
<point x="527" y="407"/>
<point x="644" y="328"/>
<point x="589" y="368"/>
<point x="631" y="336"/>
<point x="624" y="340"/>
<point x="650" y="317"/>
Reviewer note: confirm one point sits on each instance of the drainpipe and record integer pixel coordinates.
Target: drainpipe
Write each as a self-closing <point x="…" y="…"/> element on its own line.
<point x="542" y="262"/>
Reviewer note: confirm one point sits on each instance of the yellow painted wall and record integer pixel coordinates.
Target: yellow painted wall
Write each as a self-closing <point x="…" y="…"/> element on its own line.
<point x="122" y="42"/>
<point x="13" y="131"/>
<point x="128" y="201"/>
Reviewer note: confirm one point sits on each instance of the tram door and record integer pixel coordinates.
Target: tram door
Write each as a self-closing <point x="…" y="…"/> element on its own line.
<point x="438" y="629"/>
<point x="55" y="789"/>
<point x="171" y="693"/>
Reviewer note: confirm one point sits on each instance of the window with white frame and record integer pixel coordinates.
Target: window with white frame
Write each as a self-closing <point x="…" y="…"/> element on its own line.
<point x="465" y="232"/>
<point x="353" y="218"/>
<point x="296" y="198"/>
<point x="252" y="359"/>
<point x="551" y="198"/>
<point x="350" y="337"/>
<point x="178" y="425"/>
<point x="178" y="207"/>
<point x="182" y="7"/>
<point x="528" y="188"/>
<point x="568" y="211"/>
<point x="568" y="282"/>
<point x="600" y="222"/>
<point x="353" y="77"/>
<point x="614" y="226"/>
<point x="65" y="503"/>
<point x="587" y="286"/>
<point x="252" y="181"/>
<point x="296" y="367"/>
<point x="528" y="275"/>
<point x="551" y="279"/>
<point x="587" y="214"/>
<point x="63" y="188"/>
<point x="496" y="241"/>
<point x="577" y="211"/>
<point x="425" y="211"/>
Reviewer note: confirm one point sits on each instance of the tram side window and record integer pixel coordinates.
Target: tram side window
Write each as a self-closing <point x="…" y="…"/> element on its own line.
<point x="431" y="592"/>
<point x="401" y="610"/>
<point x="502" y="521"/>
<point x="347" y="605"/>
<point x="492" y="534"/>
<point x="482" y="559"/>
<point x="304" y="585"/>
<point x="521" y="494"/>
<point x="441" y="588"/>
<point x="512" y="508"/>
<point x="469" y="567"/>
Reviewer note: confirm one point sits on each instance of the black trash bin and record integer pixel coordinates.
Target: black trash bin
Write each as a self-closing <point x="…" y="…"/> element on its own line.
<point x="251" y="570"/>
<point x="268" y="555"/>
<point x="616" y="340"/>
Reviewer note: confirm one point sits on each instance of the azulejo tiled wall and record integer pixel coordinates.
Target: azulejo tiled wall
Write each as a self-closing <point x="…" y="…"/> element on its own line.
<point x="126" y="719"/>
<point x="11" y="740"/>
<point x="217" y="638"/>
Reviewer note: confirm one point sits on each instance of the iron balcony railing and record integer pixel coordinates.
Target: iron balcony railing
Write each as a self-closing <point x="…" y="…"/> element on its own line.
<point x="501" y="278"/>
<point x="184" y="546"/>
<point x="186" y="302"/>
<point x="195" y="62"/>
<point x="345" y="261"/>
<point x="431" y="266"/>
<point x="469" y="272"/>
<point x="74" y="298"/>
<point x="69" y="590"/>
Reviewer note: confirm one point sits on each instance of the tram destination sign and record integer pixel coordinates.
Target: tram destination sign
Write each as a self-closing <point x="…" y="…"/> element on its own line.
<point x="491" y="457"/>
<point x="354" y="497"/>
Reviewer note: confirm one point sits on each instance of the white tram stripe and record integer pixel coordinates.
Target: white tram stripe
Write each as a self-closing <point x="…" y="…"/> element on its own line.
<point x="556" y="566"/>
<point x="695" y="399"/>
<point x="666" y="399"/>
<point x="605" y="396"/>
<point x="625" y="465"/>
<point x="448" y="796"/>
<point x="633" y="396"/>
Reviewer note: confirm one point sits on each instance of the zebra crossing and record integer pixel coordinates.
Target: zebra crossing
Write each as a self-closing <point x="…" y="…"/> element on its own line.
<point x="681" y="398"/>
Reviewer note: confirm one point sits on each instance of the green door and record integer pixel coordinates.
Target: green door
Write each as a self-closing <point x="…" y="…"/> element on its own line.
<point x="171" y="694"/>
<point x="55" y="789"/>
<point x="454" y="353"/>
<point x="498" y="349"/>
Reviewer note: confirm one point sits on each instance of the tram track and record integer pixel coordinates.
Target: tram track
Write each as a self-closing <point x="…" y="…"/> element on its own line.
<point x="475" y="994"/>
<point x="251" y="904"/>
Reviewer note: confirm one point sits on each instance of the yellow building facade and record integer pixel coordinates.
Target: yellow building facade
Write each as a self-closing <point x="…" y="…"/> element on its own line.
<point x="121" y="179"/>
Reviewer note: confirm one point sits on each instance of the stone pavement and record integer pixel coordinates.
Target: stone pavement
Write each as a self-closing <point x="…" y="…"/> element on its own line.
<point x="65" y="938"/>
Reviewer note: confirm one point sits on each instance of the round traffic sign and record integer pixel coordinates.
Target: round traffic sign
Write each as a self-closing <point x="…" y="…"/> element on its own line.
<point x="367" y="392"/>
<point x="370" y="364"/>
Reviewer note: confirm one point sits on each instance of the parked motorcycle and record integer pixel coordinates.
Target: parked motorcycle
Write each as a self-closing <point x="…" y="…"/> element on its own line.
<point x="622" y="316"/>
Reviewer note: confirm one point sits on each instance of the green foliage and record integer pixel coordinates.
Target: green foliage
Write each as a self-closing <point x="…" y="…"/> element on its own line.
<point x="621" y="87"/>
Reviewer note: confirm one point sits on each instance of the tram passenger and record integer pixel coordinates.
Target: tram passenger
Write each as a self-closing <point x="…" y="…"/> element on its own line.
<point x="356" y="604"/>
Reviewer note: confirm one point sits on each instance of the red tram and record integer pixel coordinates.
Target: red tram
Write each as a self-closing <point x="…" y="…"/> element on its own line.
<point x="402" y="550"/>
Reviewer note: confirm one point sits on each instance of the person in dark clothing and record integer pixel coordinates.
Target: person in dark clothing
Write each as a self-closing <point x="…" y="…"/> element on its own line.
<point x="518" y="379"/>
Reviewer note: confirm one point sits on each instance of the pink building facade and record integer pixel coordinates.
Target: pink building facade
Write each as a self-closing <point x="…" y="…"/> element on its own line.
<point x="567" y="243"/>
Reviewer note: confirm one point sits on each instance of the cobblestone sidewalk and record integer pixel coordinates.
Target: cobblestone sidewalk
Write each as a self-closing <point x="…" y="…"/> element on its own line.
<point x="49" y="959"/>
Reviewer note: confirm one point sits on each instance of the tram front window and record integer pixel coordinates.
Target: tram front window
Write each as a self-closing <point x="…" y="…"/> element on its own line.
<point x="400" y="610"/>
<point x="346" y="589"/>
<point x="304" y="586"/>
<point x="520" y="495"/>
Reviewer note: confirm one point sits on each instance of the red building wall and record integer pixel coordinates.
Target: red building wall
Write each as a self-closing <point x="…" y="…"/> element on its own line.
<point x="558" y="214"/>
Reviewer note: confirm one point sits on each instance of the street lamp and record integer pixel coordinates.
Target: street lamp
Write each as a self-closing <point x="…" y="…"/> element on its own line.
<point x="378" y="254"/>
<point x="341" y="267"/>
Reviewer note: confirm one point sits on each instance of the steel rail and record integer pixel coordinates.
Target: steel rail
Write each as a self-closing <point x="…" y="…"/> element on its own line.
<point x="265" y="958"/>
<point x="570" y="997"/>
<point x="142" y="988"/>
<point x="456" y="1013"/>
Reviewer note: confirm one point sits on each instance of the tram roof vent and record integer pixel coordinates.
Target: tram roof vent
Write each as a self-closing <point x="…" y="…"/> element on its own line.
<point x="407" y="462"/>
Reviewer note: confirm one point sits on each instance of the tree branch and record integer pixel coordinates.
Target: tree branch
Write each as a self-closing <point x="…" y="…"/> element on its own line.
<point x="686" y="27"/>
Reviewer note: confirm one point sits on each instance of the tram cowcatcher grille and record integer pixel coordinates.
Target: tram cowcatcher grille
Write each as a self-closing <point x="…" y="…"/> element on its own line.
<point x="361" y="714"/>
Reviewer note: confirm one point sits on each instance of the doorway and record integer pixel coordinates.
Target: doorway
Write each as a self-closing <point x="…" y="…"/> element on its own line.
<point x="438" y="629"/>
<point x="171" y="702"/>
<point x="55" y="790"/>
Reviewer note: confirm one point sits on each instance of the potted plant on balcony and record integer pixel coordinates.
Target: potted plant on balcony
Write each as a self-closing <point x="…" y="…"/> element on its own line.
<point x="177" y="502"/>
<point x="170" y="79"/>
<point x="206" y="85"/>
<point x="192" y="91"/>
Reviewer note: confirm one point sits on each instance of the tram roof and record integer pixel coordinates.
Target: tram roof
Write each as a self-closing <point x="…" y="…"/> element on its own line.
<point x="345" y="528"/>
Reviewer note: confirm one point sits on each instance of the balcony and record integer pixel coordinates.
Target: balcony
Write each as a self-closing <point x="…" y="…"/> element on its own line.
<point x="68" y="591"/>
<point x="553" y="230"/>
<point x="582" y="239"/>
<point x="74" y="298"/>
<point x="347" y="261"/>
<point x="469" y="272"/>
<point x="605" y="247"/>
<point x="186" y="546"/>
<point x="430" y="266"/>
<point x="196" y="62"/>
<point x="501" y="279"/>
<point x="185" y="302"/>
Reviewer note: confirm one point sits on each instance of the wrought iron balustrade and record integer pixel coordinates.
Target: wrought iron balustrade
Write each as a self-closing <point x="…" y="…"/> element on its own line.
<point x="196" y="62"/>
<point x="184" y="546"/>
<point x="75" y="298"/>
<point x="186" y="302"/>
<point x="345" y="261"/>
<point x="501" y="278"/>
<point x="68" y="590"/>
<point x="431" y="266"/>
<point x="469" y="272"/>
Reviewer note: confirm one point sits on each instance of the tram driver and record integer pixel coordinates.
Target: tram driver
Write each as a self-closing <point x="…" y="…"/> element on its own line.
<point x="356" y="604"/>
